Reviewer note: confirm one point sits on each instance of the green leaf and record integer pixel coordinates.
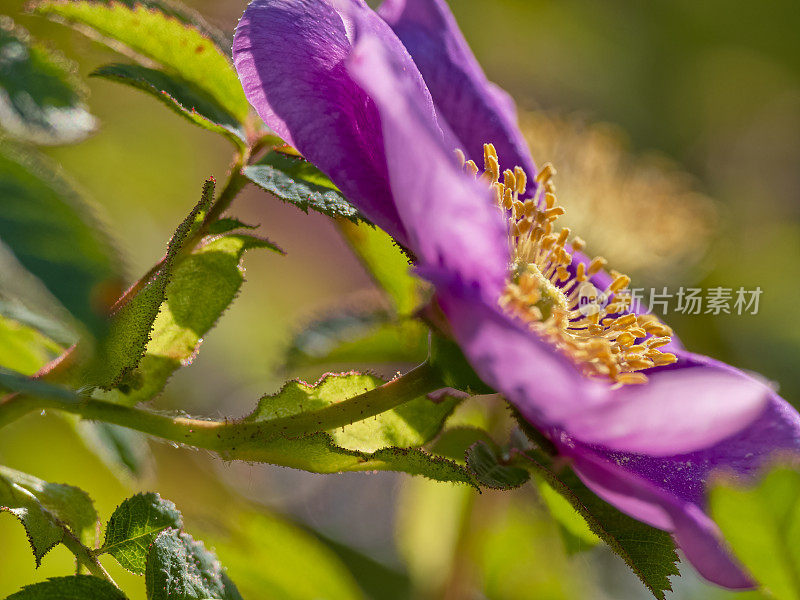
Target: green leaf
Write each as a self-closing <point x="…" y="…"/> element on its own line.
<point x="24" y="349"/>
<point x="201" y="287"/>
<point x="352" y="337"/>
<point x="388" y="441"/>
<point x="45" y="509"/>
<point x="575" y="531"/>
<point x="56" y="236"/>
<point x="295" y="180"/>
<point x="122" y="349"/>
<point x="762" y="524"/>
<point x="179" y="568"/>
<point x="180" y="48"/>
<point x="386" y="262"/>
<point x="41" y="99"/>
<point x="410" y="424"/>
<point x="187" y="16"/>
<point x="264" y="552"/>
<point x="181" y="96"/>
<point x="134" y="525"/>
<point x="484" y="461"/>
<point x="649" y="552"/>
<point x="76" y="587"/>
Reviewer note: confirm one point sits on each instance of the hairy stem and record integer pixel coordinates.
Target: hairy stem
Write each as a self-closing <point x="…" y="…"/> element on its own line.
<point x="226" y="435"/>
<point x="85" y="557"/>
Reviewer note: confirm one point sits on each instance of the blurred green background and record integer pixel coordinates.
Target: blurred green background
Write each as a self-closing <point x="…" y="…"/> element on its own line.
<point x="712" y="85"/>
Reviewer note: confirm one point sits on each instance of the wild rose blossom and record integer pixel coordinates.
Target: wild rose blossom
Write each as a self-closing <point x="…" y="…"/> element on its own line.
<point x="379" y="102"/>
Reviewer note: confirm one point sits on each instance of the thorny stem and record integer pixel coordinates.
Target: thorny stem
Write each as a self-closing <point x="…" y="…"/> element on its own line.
<point x="228" y="436"/>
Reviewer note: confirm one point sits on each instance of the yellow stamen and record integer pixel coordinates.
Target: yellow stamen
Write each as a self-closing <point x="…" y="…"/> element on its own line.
<point x="592" y="327"/>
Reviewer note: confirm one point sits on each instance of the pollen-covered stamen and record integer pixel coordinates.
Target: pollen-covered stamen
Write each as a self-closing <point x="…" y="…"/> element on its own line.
<point x="595" y="328"/>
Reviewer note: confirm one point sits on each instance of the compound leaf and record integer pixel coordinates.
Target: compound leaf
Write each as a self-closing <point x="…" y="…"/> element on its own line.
<point x="41" y="99"/>
<point x="134" y="525"/>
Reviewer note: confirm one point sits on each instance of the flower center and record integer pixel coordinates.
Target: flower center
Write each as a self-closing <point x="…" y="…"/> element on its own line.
<point x="558" y="300"/>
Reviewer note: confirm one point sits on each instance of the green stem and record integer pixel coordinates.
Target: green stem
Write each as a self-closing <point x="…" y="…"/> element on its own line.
<point x="230" y="435"/>
<point x="85" y="557"/>
<point x="236" y="182"/>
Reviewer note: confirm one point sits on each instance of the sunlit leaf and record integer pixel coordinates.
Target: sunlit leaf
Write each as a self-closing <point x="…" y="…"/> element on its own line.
<point x="177" y="46"/>
<point x="56" y="236"/>
<point x="649" y="552"/>
<point x="134" y="525"/>
<point x="201" y="286"/>
<point x="762" y="525"/>
<point x="410" y="424"/>
<point x="41" y="99"/>
<point x="264" y="552"/>
<point x="386" y="263"/>
<point x="387" y="441"/>
<point x="76" y="587"/>
<point x="181" y="96"/>
<point x="45" y="509"/>
<point x="296" y="181"/>
<point x="122" y="349"/>
<point x="576" y="532"/>
<point x="179" y="567"/>
<point x="178" y="10"/>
